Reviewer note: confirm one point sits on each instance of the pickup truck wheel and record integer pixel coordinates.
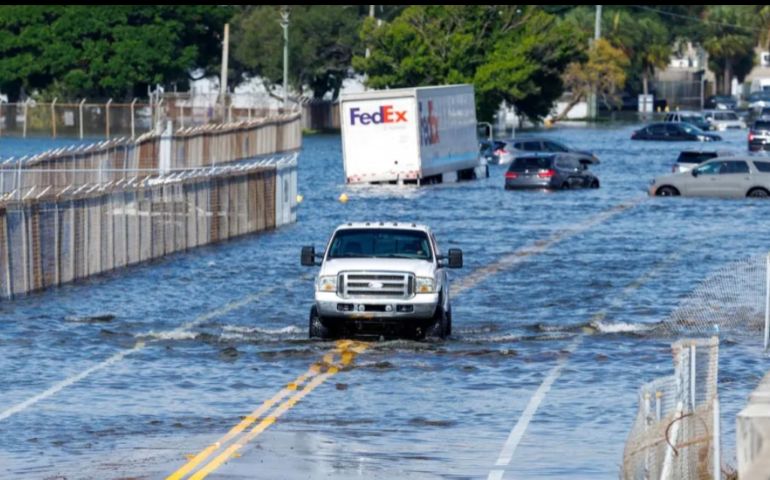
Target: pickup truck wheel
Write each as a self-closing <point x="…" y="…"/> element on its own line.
<point x="316" y="329"/>
<point x="441" y="324"/>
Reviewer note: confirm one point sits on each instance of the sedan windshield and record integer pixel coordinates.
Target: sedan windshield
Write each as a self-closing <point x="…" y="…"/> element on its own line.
<point x="380" y="243"/>
<point x="691" y="129"/>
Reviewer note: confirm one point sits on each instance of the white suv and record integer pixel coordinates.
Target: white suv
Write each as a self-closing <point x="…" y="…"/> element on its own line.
<point x="383" y="279"/>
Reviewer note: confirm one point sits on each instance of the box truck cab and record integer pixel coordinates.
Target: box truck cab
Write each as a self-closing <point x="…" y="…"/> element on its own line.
<point x="411" y="135"/>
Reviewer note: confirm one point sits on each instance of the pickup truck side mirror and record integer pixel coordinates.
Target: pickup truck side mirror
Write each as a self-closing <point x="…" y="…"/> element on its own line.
<point x="694" y="172"/>
<point x="308" y="256"/>
<point x="455" y="258"/>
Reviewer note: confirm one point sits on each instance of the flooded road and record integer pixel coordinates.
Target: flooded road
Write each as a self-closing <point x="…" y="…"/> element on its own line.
<point x="558" y="317"/>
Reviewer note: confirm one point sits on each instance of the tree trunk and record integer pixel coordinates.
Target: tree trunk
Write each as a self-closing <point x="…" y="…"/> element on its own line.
<point x="566" y="111"/>
<point x="645" y="91"/>
<point x="728" y="77"/>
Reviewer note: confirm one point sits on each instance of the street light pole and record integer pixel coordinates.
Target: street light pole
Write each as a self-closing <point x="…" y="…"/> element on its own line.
<point x="593" y="106"/>
<point x="285" y="27"/>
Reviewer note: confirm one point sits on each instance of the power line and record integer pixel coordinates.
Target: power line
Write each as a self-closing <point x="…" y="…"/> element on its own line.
<point x="697" y="19"/>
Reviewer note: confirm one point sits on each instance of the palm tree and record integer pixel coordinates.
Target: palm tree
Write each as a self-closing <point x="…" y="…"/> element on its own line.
<point x="730" y="38"/>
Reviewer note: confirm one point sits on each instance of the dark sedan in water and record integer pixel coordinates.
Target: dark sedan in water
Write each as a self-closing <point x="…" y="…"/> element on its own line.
<point x="554" y="171"/>
<point x="674" y="132"/>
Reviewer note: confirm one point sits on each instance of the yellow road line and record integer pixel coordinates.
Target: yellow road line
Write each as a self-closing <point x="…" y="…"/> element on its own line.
<point x="349" y="349"/>
<point x="346" y="349"/>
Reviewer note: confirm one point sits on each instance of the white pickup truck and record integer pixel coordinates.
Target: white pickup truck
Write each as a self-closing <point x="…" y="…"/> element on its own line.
<point x="383" y="279"/>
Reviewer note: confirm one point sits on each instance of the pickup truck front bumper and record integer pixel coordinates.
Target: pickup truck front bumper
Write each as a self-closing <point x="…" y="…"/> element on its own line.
<point x="332" y="306"/>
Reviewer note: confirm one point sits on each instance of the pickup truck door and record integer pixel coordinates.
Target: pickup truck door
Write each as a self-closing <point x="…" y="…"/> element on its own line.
<point x="441" y="273"/>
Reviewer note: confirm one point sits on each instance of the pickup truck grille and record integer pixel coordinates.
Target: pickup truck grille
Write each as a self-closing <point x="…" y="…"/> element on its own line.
<point x="375" y="285"/>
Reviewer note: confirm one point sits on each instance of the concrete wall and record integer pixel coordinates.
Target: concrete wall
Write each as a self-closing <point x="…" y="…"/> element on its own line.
<point x="753" y="432"/>
<point x="59" y="239"/>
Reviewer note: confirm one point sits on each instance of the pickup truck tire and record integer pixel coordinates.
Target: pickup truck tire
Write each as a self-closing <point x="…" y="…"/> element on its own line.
<point x="442" y="325"/>
<point x="316" y="329"/>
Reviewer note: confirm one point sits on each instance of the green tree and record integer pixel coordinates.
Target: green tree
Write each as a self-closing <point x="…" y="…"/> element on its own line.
<point x="644" y="36"/>
<point x="322" y="41"/>
<point x="105" y="51"/>
<point x="729" y="37"/>
<point x="510" y="53"/>
<point x="604" y="73"/>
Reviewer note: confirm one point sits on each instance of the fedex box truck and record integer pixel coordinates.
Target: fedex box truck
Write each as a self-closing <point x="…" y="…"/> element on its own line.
<point x="411" y="135"/>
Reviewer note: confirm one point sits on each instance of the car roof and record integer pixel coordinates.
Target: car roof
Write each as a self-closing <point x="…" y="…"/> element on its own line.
<point x="687" y="112"/>
<point x="708" y="150"/>
<point x="384" y="225"/>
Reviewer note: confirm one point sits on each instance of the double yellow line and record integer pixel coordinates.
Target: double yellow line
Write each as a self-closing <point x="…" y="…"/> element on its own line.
<point x="262" y="417"/>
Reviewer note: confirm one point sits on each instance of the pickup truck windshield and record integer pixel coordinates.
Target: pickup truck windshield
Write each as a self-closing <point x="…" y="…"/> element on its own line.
<point x="380" y="243"/>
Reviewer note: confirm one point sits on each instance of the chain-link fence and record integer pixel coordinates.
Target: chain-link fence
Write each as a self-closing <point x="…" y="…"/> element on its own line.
<point x="131" y="119"/>
<point x="49" y="238"/>
<point x="123" y="159"/>
<point x="676" y="431"/>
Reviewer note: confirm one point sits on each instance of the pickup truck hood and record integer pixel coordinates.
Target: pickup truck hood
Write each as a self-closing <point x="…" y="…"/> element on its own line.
<point x="420" y="268"/>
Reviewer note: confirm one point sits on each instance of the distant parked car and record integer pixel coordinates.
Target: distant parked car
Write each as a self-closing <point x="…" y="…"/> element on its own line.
<point x="526" y="145"/>
<point x="759" y="135"/>
<point x="672" y="132"/>
<point x="689" y="159"/>
<point x="495" y="152"/>
<point x="734" y="177"/>
<point x="758" y="100"/>
<point x="721" y="102"/>
<point x="724" y="120"/>
<point x="553" y="171"/>
<point x="765" y="112"/>
<point x="693" y="118"/>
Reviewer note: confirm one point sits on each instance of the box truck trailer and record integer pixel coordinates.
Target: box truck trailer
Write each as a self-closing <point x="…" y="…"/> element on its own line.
<point x="417" y="135"/>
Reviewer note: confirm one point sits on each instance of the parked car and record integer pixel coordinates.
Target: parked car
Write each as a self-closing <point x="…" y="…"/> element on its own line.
<point x="496" y="152"/>
<point x="526" y="145"/>
<point x="734" y="177"/>
<point x="721" y="102"/>
<point x="689" y="159"/>
<point x="674" y="132"/>
<point x="381" y="278"/>
<point x="759" y="135"/>
<point x="758" y="100"/>
<point x="551" y="170"/>
<point x="765" y="112"/>
<point x="724" y="120"/>
<point x="693" y="118"/>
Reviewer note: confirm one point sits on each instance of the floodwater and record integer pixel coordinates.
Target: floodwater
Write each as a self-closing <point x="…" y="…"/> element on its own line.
<point x="127" y="375"/>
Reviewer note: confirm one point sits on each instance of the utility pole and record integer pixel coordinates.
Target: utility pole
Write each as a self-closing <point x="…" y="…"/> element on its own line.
<point x="371" y="15"/>
<point x="223" y="75"/>
<point x="285" y="27"/>
<point x="593" y="106"/>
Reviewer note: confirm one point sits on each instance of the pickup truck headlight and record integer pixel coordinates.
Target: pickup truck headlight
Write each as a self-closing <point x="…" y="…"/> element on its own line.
<point x="326" y="284"/>
<point x="425" y="285"/>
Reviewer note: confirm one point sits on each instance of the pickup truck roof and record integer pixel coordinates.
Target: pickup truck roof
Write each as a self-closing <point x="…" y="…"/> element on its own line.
<point x="389" y="225"/>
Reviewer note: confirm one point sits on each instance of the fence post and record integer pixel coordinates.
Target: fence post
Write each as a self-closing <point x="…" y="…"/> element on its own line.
<point x="53" y="117"/>
<point x="767" y="300"/>
<point x="715" y="442"/>
<point x="692" y="377"/>
<point x="80" y="116"/>
<point x="26" y="117"/>
<point x="133" y="120"/>
<point x="107" y="113"/>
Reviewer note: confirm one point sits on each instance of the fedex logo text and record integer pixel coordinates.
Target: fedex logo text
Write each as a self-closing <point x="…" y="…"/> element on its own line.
<point x="385" y="114"/>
